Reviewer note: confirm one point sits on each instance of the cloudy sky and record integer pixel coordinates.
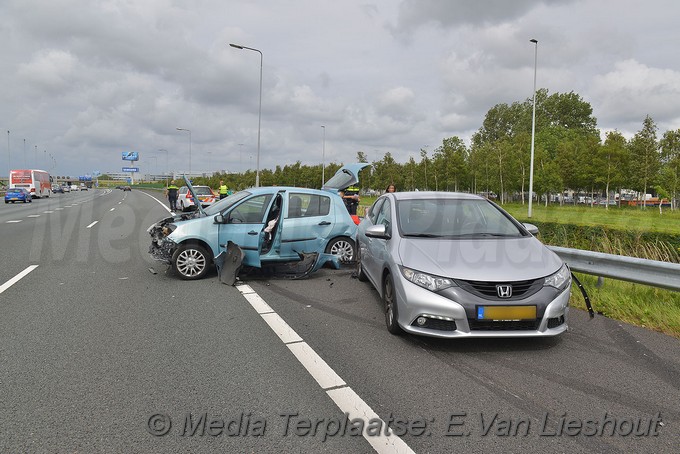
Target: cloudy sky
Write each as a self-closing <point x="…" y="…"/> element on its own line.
<point x="83" y="80"/>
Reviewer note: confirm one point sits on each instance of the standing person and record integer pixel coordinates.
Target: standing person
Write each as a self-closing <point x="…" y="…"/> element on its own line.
<point x="350" y="196"/>
<point x="391" y="188"/>
<point x="171" y="192"/>
<point x="224" y="190"/>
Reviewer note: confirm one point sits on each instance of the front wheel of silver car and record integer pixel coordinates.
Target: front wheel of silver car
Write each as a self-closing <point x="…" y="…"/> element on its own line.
<point x="342" y="247"/>
<point x="360" y="269"/>
<point x="390" y="305"/>
<point x="191" y="261"/>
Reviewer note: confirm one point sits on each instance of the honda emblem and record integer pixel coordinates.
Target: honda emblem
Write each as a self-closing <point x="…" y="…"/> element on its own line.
<point x="504" y="291"/>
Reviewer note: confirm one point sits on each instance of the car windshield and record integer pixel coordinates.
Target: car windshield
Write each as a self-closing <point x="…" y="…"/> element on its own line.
<point x="437" y="218"/>
<point x="225" y="203"/>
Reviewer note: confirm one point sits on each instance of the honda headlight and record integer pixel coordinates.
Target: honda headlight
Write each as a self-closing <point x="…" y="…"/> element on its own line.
<point x="560" y="278"/>
<point x="432" y="283"/>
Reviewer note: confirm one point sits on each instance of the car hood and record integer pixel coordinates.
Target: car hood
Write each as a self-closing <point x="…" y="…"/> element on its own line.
<point x="485" y="259"/>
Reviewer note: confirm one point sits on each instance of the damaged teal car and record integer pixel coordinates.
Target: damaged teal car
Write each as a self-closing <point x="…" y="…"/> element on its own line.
<point x="293" y="231"/>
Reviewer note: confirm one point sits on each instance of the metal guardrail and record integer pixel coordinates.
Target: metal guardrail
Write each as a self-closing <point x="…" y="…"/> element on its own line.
<point x="642" y="271"/>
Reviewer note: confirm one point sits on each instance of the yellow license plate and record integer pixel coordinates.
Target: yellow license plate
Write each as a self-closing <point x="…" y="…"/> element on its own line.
<point x="506" y="313"/>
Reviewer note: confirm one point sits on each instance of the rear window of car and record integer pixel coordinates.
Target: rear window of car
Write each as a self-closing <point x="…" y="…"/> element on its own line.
<point x="202" y="190"/>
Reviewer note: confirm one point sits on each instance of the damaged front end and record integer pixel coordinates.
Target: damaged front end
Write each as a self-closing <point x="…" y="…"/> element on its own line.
<point x="162" y="247"/>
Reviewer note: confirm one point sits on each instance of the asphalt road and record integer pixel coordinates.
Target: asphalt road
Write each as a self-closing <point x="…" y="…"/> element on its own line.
<point x="104" y="350"/>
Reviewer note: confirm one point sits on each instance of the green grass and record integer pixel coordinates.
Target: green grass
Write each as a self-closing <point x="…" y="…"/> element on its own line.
<point x="644" y="220"/>
<point x="637" y="304"/>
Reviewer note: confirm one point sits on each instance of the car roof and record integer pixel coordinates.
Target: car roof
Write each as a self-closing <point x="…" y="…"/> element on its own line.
<point x="274" y="189"/>
<point x="414" y="195"/>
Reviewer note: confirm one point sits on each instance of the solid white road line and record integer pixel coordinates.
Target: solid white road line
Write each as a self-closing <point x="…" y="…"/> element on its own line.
<point x="17" y="278"/>
<point x="91" y="225"/>
<point x="162" y="203"/>
<point x="344" y="397"/>
<point x="14" y="221"/>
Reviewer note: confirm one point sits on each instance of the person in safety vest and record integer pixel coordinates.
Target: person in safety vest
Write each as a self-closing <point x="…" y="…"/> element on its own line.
<point x="224" y="190"/>
<point x="351" y="198"/>
<point x="171" y="192"/>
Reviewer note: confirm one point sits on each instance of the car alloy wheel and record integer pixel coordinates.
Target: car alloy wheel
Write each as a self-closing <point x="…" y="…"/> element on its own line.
<point x="391" y="310"/>
<point x="342" y="247"/>
<point x="191" y="261"/>
<point x="359" y="269"/>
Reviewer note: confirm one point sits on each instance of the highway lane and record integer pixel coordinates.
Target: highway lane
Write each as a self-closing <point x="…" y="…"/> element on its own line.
<point x="93" y="344"/>
<point x="599" y="366"/>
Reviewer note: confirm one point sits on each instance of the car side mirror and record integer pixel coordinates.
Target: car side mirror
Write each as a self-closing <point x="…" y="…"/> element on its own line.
<point x="531" y="228"/>
<point x="378" y="231"/>
<point x="219" y="219"/>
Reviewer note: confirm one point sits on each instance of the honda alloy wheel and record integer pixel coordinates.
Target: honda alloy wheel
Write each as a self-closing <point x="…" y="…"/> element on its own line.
<point x="390" y="306"/>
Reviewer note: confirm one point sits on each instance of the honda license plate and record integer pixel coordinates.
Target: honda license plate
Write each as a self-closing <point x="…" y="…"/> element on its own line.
<point x="506" y="313"/>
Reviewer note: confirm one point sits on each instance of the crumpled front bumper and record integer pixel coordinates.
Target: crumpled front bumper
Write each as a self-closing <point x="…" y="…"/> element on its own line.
<point x="161" y="247"/>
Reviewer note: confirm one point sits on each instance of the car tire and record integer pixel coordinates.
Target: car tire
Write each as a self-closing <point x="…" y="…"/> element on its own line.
<point x="343" y="247"/>
<point x="191" y="261"/>
<point x="359" y="269"/>
<point x="390" y="306"/>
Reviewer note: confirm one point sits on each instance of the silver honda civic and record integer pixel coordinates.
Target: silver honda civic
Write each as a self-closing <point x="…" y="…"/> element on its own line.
<point x="457" y="265"/>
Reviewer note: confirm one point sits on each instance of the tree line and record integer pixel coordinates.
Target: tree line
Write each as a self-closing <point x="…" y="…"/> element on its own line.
<point x="568" y="155"/>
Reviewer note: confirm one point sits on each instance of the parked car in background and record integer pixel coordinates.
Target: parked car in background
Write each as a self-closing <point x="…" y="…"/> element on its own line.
<point x="458" y="266"/>
<point x="126" y="188"/>
<point x="57" y="189"/>
<point x="185" y="200"/>
<point x="66" y="188"/>
<point x="74" y="187"/>
<point x="18" y="195"/>
<point x="271" y="225"/>
<point x="83" y="187"/>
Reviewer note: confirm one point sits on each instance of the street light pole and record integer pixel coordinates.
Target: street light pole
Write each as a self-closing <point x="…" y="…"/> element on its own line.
<point x="533" y="131"/>
<point x="9" y="156"/>
<point x="189" y="131"/>
<point x="323" y="158"/>
<point x="259" y="116"/>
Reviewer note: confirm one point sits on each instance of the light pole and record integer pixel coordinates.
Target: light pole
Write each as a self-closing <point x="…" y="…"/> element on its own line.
<point x="35" y="157"/>
<point x="166" y="164"/>
<point x="323" y="158"/>
<point x="533" y="131"/>
<point x="9" y="156"/>
<point x="259" y="116"/>
<point x="189" y="131"/>
<point x="25" y="166"/>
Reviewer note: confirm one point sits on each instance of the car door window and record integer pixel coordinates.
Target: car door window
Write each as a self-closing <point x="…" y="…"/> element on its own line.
<point x="375" y="209"/>
<point x="251" y="211"/>
<point x="302" y="205"/>
<point x="384" y="216"/>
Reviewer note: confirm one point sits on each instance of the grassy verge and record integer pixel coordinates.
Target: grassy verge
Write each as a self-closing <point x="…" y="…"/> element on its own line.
<point x="637" y="304"/>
